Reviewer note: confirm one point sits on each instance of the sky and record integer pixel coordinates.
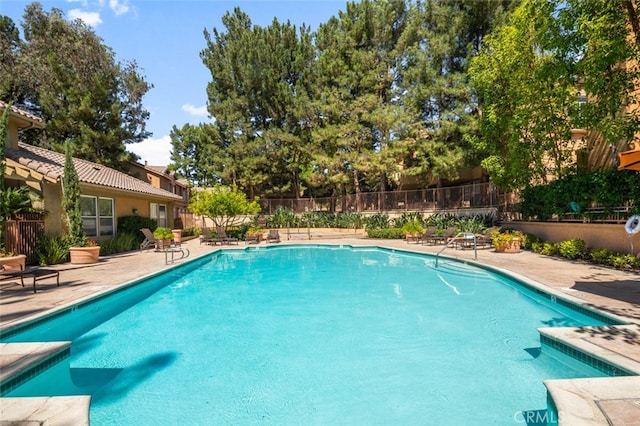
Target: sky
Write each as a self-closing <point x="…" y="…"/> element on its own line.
<point x="165" y="38"/>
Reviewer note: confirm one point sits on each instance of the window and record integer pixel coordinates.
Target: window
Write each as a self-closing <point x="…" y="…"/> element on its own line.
<point x="159" y="214"/>
<point x="97" y="216"/>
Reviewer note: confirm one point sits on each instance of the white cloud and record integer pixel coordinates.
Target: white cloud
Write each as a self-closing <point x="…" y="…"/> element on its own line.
<point x="118" y="7"/>
<point x="194" y="110"/>
<point x="156" y="152"/>
<point x="90" y="18"/>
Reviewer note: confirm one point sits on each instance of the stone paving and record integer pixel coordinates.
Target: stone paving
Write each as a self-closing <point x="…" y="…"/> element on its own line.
<point x="612" y="291"/>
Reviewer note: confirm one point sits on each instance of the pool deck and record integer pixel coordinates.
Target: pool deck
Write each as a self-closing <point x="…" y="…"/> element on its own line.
<point x="594" y="401"/>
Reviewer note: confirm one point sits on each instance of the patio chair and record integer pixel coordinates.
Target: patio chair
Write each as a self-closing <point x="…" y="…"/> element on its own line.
<point x="36" y="273"/>
<point x="208" y="238"/>
<point x="426" y="234"/>
<point x="222" y="235"/>
<point x="273" y="236"/>
<point x="444" y="237"/>
<point x="252" y="238"/>
<point x="149" y="239"/>
<point x="486" y="239"/>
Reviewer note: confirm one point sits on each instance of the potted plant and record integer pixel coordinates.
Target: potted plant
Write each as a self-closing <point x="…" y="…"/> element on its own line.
<point x="81" y="249"/>
<point x="164" y="236"/>
<point x="507" y="241"/>
<point x="9" y="260"/>
<point x="412" y="230"/>
<point x="254" y="234"/>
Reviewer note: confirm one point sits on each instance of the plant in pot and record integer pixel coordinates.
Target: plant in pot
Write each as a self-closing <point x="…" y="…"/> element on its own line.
<point x="254" y="234"/>
<point x="81" y="249"/>
<point x="412" y="230"/>
<point x="164" y="236"/>
<point x="507" y="241"/>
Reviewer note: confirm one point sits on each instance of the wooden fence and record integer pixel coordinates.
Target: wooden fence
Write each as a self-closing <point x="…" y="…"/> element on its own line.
<point x="23" y="233"/>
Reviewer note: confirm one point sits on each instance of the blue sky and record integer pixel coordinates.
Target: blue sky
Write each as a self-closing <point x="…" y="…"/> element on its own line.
<point x="165" y="39"/>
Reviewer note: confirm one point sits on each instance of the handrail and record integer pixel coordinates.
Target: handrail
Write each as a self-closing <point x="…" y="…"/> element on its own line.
<point x="465" y="236"/>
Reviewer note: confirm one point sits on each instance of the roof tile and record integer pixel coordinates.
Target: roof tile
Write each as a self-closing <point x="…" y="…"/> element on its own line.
<point x="51" y="164"/>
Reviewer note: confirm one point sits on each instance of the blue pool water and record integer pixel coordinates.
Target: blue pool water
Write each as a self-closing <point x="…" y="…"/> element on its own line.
<point x="311" y="335"/>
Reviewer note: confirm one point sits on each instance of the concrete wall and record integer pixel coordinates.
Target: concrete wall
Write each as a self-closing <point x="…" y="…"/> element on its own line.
<point x="596" y="235"/>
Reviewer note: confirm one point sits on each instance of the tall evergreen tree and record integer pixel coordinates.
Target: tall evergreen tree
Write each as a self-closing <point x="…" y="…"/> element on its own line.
<point x="256" y="95"/>
<point x="63" y="72"/>
<point x="359" y="118"/>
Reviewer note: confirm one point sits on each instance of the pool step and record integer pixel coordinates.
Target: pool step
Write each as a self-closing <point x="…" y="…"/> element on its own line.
<point x="19" y="362"/>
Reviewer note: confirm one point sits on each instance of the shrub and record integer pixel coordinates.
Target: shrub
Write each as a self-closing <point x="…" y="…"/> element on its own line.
<point x="405" y="218"/>
<point x="122" y="242"/>
<point x="548" y="249"/>
<point x="133" y="224"/>
<point x="282" y="218"/>
<point x="163" y="233"/>
<point x="386" y="233"/>
<point x="531" y="240"/>
<point x="601" y="256"/>
<point x="624" y="261"/>
<point x="412" y="228"/>
<point x="52" y="249"/>
<point x="574" y="248"/>
<point x="377" y="221"/>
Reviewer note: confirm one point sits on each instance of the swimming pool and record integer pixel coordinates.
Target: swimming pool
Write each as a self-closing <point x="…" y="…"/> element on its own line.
<point x="310" y="335"/>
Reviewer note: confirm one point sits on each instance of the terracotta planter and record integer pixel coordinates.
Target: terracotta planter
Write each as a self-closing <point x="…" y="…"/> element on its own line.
<point x="512" y="246"/>
<point x="13" y="262"/>
<point x="84" y="255"/>
<point x="177" y="235"/>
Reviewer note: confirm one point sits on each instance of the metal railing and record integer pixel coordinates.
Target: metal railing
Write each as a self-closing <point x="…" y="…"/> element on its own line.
<point x="476" y="195"/>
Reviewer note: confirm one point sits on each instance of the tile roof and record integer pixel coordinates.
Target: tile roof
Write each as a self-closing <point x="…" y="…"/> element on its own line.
<point x="51" y="164"/>
<point x="23" y="114"/>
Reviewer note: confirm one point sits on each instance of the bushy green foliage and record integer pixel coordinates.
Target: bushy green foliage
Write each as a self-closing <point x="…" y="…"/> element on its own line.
<point x="574" y="248"/>
<point x="385" y="233"/>
<point x="601" y="255"/>
<point x="133" y="224"/>
<point x="377" y="221"/>
<point x="281" y="218"/>
<point x="122" y="242"/>
<point x="52" y="249"/>
<point x="410" y="217"/>
<point x="531" y="240"/>
<point x="624" y="261"/>
<point x="162" y="233"/>
<point x="608" y="188"/>
<point x="412" y="228"/>
<point x="548" y="249"/>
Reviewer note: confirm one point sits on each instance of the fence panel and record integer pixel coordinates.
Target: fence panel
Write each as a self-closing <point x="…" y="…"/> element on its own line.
<point x="22" y="235"/>
<point x="456" y="197"/>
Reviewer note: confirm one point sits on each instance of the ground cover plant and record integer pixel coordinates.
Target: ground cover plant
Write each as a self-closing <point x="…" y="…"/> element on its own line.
<point x="576" y="249"/>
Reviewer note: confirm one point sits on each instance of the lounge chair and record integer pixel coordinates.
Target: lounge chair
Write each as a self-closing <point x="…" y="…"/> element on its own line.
<point x="222" y="235"/>
<point x="252" y="238"/>
<point x="486" y="239"/>
<point x="208" y="238"/>
<point x="426" y="234"/>
<point x="273" y="236"/>
<point x="443" y="237"/>
<point x="37" y="274"/>
<point x="149" y="239"/>
<point x="481" y="240"/>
